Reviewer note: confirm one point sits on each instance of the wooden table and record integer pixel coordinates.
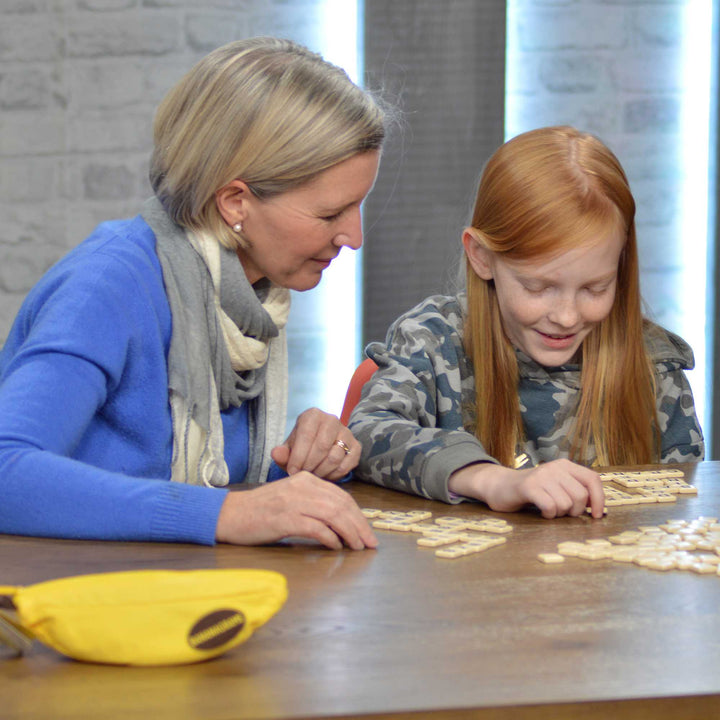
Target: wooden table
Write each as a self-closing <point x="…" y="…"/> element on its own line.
<point x="397" y="630"/>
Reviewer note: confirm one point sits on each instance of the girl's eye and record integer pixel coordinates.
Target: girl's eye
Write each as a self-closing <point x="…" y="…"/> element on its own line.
<point x="597" y="291"/>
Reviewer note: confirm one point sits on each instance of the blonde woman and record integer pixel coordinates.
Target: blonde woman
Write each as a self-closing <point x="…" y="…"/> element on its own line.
<point x="512" y="392"/>
<point x="146" y="371"/>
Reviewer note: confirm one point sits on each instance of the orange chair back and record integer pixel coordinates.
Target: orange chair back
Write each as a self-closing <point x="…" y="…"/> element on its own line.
<point x="362" y="374"/>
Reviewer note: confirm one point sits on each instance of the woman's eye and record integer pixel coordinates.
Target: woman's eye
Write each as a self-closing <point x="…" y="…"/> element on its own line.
<point x="330" y="218"/>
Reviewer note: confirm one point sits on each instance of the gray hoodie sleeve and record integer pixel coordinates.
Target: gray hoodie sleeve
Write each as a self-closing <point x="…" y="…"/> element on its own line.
<point x="410" y="419"/>
<point x="682" y="437"/>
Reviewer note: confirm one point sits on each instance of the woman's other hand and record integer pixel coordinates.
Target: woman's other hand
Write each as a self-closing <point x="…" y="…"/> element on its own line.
<point x="301" y="505"/>
<point x="557" y="488"/>
<point x="320" y="444"/>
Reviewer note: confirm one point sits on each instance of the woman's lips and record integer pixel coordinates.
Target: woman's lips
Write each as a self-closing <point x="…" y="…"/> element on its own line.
<point x="322" y="263"/>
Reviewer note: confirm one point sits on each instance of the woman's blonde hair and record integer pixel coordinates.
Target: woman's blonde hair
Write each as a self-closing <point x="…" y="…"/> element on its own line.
<point x="542" y="193"/>
<point x="266" y="111"/>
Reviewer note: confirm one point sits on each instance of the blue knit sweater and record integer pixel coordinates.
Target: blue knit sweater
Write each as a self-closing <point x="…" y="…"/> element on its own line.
<point x="85" y="427"/>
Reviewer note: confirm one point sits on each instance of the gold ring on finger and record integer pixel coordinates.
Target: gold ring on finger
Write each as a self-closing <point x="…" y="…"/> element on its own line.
<point x="343" y="445"/>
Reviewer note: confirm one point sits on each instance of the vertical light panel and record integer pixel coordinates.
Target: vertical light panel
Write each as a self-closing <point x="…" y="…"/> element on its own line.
<point x="338" y="303"/>
<point x="695" y="152"/>
<point x="513" y="70"/>
<point x="640" y="76"/>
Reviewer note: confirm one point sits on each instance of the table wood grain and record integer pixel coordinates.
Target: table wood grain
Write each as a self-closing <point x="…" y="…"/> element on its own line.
<point x="400" y="632"/>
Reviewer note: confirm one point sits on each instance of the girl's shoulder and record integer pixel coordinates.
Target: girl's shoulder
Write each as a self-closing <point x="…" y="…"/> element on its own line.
<point x="429" y="332"/>
<point x="439" y="313"/>
<point x="667" y="348"/>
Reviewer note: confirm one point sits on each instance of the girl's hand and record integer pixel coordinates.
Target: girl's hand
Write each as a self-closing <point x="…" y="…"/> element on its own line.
<point x="301" y="505"/>
<point x="320" y="444"/>
<point x="557" y="488"/>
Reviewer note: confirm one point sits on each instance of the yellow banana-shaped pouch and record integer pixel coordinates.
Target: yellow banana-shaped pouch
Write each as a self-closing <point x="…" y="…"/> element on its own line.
<point x="143" y="617"/>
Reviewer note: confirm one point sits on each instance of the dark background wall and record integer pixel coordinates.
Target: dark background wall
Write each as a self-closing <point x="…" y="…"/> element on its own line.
<point x="444" y="63"/>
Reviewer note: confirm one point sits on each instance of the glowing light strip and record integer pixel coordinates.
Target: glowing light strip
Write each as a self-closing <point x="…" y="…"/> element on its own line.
<point x="338" y="291"/>
<point x="512" y="69"/>
<point x="695" y="149"/>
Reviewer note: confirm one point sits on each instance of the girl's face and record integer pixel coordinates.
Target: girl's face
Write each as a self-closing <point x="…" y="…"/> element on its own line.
<point x="549" y="306"/>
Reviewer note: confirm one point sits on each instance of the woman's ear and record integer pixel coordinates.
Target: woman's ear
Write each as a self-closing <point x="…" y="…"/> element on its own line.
<point x="232" y="202"/>
<point x="479" y="256"/>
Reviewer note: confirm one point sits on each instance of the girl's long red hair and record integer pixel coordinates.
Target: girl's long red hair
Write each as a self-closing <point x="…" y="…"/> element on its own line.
<point x="542" y="193"/>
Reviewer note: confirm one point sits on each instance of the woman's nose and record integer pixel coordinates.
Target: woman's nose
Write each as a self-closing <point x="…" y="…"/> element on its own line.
<point x="350" y="234"/>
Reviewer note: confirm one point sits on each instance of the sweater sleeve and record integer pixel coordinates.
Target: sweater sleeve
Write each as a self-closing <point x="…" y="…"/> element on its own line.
<point x="409" y="419"/>
<point x="66" y="368"/>
<point x="682" y="438"/>
<point x="46" y="493"/>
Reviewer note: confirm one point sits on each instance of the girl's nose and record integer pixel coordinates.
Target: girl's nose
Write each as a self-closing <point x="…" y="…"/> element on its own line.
<point x="564" y="312"/>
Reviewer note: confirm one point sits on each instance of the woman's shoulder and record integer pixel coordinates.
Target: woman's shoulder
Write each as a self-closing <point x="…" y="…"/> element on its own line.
<point x="111" y="279"/>
<point x="130" y="241"/>
<point x="667" y="348"/>
<point x="117" y="258"/>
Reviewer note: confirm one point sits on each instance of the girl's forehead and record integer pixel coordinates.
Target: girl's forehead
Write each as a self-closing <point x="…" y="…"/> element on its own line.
<point x="593" y="257"/>
<point x="590" y="240"/>
<point x="555" y="236"/>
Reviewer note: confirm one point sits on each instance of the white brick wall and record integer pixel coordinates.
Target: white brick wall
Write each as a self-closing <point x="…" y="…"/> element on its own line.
<point x="615" y="68"/>
<point x="79" y="84"/>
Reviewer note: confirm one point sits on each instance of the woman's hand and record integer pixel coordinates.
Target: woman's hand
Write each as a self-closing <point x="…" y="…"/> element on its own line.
<point x="301" y="505"/>
<point x="320" y="444"/>
<point x="557" y="488"/>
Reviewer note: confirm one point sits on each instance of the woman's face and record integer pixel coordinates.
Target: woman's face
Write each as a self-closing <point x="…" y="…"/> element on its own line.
<point x="549" y="306"/>
<point x="292" y="237"/>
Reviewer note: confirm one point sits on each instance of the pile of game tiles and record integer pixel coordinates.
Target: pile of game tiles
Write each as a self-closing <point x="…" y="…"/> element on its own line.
<point x="453" y="536"/>
<point x="635" y="487"/>
<point x="678" y="544"/>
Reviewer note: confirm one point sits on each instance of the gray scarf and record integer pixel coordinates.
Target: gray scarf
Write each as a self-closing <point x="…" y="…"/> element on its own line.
<point x="201" y="377"/>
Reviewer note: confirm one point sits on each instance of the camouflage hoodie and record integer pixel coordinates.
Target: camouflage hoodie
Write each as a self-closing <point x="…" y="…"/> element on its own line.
<point x="412" y="416"/>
